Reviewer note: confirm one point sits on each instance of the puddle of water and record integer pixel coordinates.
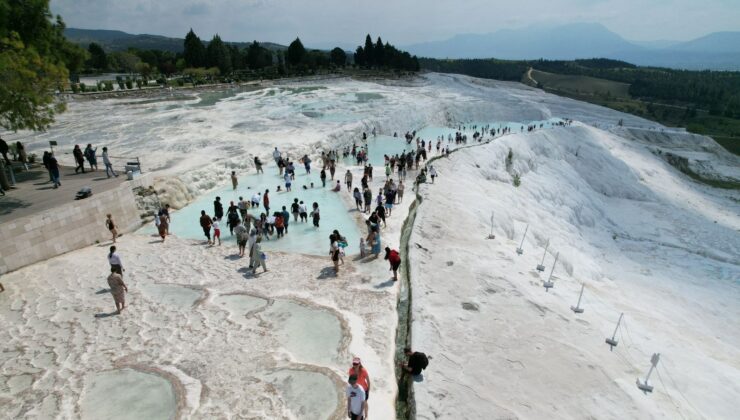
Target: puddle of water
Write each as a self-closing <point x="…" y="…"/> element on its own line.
<point x="308" y="395"/>
<point x="239" y="305"/>
<point x="302" y="237"/>
<point x="311" y="335"/>
<point x="171" y="294"/>
<point x="128" y="394"/>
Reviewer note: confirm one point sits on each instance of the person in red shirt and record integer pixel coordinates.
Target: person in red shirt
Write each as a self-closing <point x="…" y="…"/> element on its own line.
<point x="266" y="202"/>
<point x="394" y="258"/>
<point x="363" y="378"/>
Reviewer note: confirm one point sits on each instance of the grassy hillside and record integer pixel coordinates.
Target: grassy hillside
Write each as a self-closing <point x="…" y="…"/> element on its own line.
<point x="578" y="84"/>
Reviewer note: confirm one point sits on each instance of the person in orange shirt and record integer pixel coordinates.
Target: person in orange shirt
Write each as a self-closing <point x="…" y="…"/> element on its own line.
<point x="363" y="378"/>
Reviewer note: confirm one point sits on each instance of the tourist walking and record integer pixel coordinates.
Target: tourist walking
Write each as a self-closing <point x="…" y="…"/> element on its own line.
<point x="315" y="215"/>
<point x="358" y="198"/>
<point x="116" y="266"/>
<point x="111" y="225"/>
<point x="286" y="219"/>
<point x="234" y="180"/>
<point x="432" y="172"/>
<point x="303" y="212"/>
<point x="164" y="215"/>
<point x="266" y="200"/>
<point x="118" y="289"/>
<point x="108" y="165"/>
<point x="22" y="157"/>
<point x="242" y="235"/>
<point x="54" y="170"/>
<point x="216" y="230"/>
<point x="399" y="191"/>
<point x="374" y="240"/>
<point x="356" y="400"/>
<point x="218" y="209"/>
<point x="363" y="378"/>
<point x="92" y="160"/>
<point x="258" y="165"/>
<point x="323" y="178"/>
<point x="334" y="252"/>
<point x="4" y="148"/>
<point x="394" y="259"/>
<point x="205" y="223"/>
<point x="295" y="209"/>
<point x="348" y="179"/>
<point x="258" y="257"/>
<point x="79" y="158"/>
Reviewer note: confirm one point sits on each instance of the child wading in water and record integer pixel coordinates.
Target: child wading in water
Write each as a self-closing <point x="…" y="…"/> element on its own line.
<point x="315" y="214"/>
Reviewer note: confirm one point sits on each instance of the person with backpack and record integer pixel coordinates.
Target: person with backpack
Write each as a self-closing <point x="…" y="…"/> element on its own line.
<point x="417" y="361"/>
<point x="92" y="160"/>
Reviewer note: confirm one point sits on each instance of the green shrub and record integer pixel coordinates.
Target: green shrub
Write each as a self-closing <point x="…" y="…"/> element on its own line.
<point x="83" y="87"/>
<point x="129" y="84"/>
<point x="517" y="180"/>
<point x="75" y="88"/>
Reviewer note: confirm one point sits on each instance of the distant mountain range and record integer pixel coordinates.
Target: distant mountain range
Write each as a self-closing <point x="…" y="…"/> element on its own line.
<point x="121" y="41"/>
<point x="716" y="51"/>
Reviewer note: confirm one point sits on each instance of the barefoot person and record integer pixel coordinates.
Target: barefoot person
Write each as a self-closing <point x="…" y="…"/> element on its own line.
<point x="118" y="289"/>
<point x="258" y="257"/>
<point x="111" y="225"/>
<point x="116" y="266"/>
<point x="334" y="251"/>
<point x="395" y="261"/>
<point x="363" y="379"/>
<point x="205" y="223"/>
<point x="234" y="180"/>
<point x="356" y="400"/>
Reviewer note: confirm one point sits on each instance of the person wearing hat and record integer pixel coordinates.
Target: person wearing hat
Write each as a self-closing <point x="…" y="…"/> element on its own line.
<point x="363" y="379"/>
<point x="356" y="402"/>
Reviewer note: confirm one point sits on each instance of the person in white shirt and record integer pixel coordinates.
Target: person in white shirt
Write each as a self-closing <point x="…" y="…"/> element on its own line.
<point x="356" y="401"/>
<point x="256" y="199"/>
<point x="116" y="266"/>
<point x="108" y="165"/>
<point x="276" y="155"/>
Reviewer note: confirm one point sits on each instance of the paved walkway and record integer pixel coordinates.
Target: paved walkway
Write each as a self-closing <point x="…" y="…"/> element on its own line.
<point x="33" y="193"/>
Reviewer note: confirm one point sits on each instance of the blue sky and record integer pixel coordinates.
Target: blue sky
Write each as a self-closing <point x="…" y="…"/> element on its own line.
<point x="398" y="21"/>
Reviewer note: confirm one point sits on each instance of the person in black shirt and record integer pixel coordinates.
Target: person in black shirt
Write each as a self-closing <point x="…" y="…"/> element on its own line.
<point x="218" y="208"/>
<point x="417" y="362"/>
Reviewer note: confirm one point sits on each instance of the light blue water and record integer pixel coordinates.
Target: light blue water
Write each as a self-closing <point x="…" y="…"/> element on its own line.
<point x="302" y="237"/>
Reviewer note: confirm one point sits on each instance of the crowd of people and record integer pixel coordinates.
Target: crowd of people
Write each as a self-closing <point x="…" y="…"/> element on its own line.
<point x="253" y="221"/>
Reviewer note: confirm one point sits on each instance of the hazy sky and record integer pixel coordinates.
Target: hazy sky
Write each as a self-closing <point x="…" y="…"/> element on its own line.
<point x="397" y="21"/>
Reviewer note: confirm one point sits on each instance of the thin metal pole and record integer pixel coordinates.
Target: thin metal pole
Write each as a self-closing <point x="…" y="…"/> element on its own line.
<point x="545" y="253"/>
<point x="553" y="266"/>
<point x="525" y="235"/>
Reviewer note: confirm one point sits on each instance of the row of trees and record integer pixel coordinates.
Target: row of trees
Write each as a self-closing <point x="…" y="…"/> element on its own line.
<point x="381" y="55"/>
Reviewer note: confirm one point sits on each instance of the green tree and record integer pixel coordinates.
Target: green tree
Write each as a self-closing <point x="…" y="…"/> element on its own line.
<point x="296" y="52"/>
<point x="98" y="59"/>
<point x="360" y="56"/>
<point x="194" y="52"/>
<point x="34" y="62"/>
<point x="369" y="52"/>
<point x="379" y="54"/>
<point x="218" y="55"/>
<point x="27" y="84"/>
<point x="258" y="57"/>
<point x="338" y="57"/>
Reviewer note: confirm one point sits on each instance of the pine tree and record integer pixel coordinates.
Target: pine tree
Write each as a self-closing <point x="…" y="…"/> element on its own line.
<point x="369" y="52"/>
<point x="379" y="52"/>
<point x="296" y="52"/>
<point x="218" y="55"/>
<point x="194" y="51"/>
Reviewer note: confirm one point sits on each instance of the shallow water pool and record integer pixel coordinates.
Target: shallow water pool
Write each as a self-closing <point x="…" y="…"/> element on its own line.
<point x="128" y="394"/>
<point x="302" y="237"/>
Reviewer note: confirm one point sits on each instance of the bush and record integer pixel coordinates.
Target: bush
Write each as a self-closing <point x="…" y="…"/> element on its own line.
<point x="83" y="87"/>
<point x="121" y="84"/>
<point x="75" y="88"/>
<point x="129" y="84"/>
<point x="517" y="180"/>
<point x="32" y="158"/>
<point x="509" y="159"/>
